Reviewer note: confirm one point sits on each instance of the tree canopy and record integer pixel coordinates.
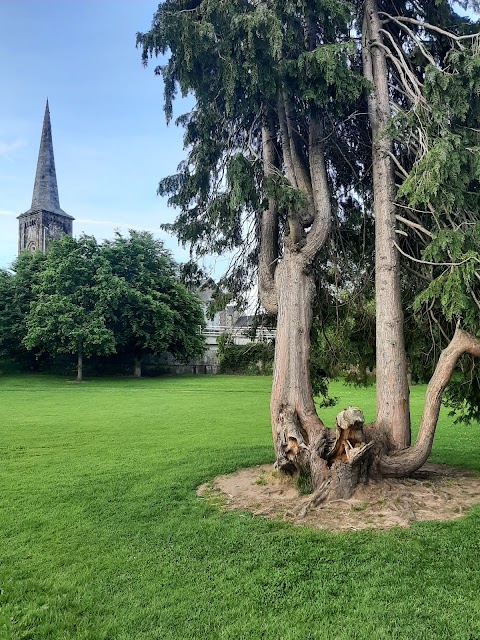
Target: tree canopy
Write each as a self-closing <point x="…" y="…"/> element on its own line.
<point x="73" y="301"/>
<point x="317" y="125"/>
<point x="247" y="64"/>
<point x="155" y="311"/>
<point x="123" y="296"/>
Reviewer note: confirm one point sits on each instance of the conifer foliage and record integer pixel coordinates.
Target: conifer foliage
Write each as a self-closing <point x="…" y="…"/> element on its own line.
<point x="306" y="114"/>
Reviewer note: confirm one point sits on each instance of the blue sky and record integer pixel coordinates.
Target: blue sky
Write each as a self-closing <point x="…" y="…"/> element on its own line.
<point x="109" y="134"/>
<point x="110" y="139"/>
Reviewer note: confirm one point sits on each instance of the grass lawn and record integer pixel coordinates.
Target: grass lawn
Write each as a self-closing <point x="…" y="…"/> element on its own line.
<point x="103" y="537"/>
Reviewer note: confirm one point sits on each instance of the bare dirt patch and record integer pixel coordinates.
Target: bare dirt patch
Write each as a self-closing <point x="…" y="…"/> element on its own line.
<point x="435" y="492"/>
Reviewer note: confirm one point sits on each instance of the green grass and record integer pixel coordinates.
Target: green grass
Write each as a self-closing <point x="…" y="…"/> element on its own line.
<point x="103" y="537"/>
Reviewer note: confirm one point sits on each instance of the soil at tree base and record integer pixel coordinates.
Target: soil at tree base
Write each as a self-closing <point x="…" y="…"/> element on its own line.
<point x="435" y="492"/>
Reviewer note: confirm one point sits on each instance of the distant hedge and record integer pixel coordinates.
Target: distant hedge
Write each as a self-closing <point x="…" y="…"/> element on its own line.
<point x="253" y="358"/>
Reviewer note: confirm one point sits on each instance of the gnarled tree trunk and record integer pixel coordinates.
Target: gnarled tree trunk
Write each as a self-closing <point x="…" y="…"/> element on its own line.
<point x="295" y="424"/>
<point x="338" y="460"/>
<point x="302" y="443"/>
<point x="404" y="463"/>
<point x="333" y="459"/>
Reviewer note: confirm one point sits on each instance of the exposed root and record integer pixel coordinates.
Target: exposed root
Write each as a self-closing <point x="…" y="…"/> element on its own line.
<point x="320" y="495"/>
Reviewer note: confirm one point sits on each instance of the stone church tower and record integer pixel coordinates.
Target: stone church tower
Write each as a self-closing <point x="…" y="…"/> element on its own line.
<point x="44" y="221"/>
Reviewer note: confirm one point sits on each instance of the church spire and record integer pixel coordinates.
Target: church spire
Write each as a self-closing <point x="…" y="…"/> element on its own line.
<point x="45" y="190"/>
<point x="44" y="221"/>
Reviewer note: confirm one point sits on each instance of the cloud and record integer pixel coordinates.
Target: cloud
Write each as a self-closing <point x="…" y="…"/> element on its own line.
<point x="6" y="148"/>
<point x="4" y="212"/>
<point x="117" y="225"/>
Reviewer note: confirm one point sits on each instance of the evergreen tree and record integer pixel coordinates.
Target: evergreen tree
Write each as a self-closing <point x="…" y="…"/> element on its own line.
<point x="275" y="162"/>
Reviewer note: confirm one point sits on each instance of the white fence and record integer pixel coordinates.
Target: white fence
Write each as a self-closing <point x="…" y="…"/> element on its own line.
<point x="240" y="335"/>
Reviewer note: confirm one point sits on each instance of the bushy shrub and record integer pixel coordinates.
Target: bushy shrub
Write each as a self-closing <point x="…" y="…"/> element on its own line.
<point x="253" y="358"/>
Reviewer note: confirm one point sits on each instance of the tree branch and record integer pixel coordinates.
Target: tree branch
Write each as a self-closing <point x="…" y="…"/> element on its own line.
<point x="320" y="192"/>
<point x="436" y="264"/>
<point x="426" y="25"/>
<point x="285" y="139"/>
<point x="409" y="460"/>
<point x="268" y="252"/>
<point x="303" y="180"/>
<point x="414" y="225"/>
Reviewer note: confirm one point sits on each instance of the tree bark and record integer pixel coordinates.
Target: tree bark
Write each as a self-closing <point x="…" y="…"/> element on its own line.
<point x="322" y="222"/>
<point x="295" y="424"/>
<point x="137" y="371"/>
<point x="268" y="254"/>
<point x="80" y="363"/>
<point x="333" y="459"/>
<point x="404" y="463"/>
<point x="391" y="364"/>
<point x="300" y="438"/>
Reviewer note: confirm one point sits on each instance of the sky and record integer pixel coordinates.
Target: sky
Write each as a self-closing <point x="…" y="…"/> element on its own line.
<point x="111" y="143"/>
<point x="110" y="139"/>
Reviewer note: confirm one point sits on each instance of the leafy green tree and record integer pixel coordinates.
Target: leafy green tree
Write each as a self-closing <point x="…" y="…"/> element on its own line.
<point x="16" y="295"/>
<point x="73" y="302"/>
<point x="8" y="315"/>
<point x="154" y="312"/>
<point x="187" y="341"/>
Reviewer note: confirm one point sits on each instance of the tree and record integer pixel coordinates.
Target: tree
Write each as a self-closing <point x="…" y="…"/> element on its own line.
<point x="16" y="294"/>
<point x="273" y="146"/>
<point x="260" y="138"/>
<point x="73" y="302"/>
<point x="8" y="314"/>
<point x="409" y="52"/>
<point x="154" y="311"/>
<point x="392" y="407"/>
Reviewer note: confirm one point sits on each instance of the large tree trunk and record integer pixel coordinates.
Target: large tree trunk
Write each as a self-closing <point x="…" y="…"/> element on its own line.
<point x="295" y="424"/>
<point x="333" y="459"/>
<point x="137" y="371"/>
<point x="80" y="363"/>
<point x="391" y="365"/>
